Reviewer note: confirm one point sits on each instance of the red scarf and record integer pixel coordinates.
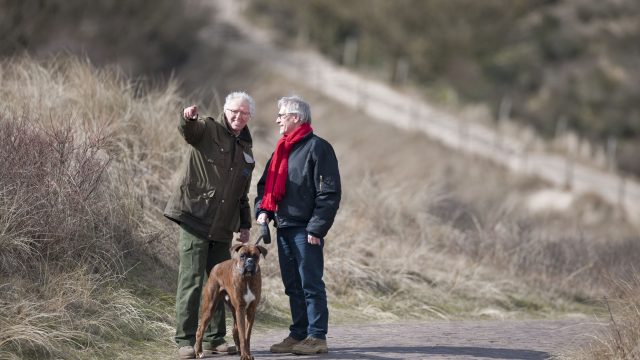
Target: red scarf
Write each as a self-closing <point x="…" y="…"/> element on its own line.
<point x="279" y="168"/>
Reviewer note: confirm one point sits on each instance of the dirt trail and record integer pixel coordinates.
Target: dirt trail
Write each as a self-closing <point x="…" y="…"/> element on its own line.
<point x="526" y="340"/>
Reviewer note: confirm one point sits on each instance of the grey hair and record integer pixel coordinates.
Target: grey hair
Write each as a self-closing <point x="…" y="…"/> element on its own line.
<point x="296" y="105"/>
<point x="244" y="97"/>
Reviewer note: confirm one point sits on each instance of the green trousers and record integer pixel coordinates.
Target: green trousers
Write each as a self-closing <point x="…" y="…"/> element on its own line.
<point x="197" y="257"/>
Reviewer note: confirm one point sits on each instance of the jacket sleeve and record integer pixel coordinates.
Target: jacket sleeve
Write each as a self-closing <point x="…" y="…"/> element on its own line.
<point x="260" y="191"/>
<point x="245" y="209"/>
<point x="328" y="191"/>
<point x="191" y="130"/>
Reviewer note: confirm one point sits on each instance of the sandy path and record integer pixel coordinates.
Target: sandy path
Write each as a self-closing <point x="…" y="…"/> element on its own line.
<point x="526" y="340"/>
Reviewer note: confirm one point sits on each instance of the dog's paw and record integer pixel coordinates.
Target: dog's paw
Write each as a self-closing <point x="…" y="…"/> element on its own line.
<point x="200" y="355"/>
<point x="246" y="357"/>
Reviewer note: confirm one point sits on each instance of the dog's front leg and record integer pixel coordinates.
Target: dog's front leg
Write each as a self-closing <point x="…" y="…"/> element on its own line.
<point x="236" y="338"/>
<point x="251" y="315"/>
<point x="245" y="353"/>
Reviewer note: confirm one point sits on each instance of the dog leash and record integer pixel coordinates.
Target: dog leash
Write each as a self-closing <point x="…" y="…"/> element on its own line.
<point x="264" y="234"/>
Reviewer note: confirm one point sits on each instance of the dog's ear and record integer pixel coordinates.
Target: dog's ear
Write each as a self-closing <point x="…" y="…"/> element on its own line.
<point x="262" y="250"/>
<point x="235" y="248"/>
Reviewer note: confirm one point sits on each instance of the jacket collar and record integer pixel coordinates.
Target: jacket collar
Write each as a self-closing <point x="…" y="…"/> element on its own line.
<point x="306" y="137"/>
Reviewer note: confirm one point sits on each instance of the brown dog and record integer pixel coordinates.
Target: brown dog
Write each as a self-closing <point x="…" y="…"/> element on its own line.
<point x="239" y="283"/>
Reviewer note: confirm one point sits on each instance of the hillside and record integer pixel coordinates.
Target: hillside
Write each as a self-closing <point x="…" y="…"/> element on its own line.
<point x="429" y="241"/>
<point x="553" y="65"/>
<point x="88" y="263"/>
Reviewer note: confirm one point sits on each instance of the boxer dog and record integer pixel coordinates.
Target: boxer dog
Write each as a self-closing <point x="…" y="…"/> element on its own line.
<point x="239" y="283"/>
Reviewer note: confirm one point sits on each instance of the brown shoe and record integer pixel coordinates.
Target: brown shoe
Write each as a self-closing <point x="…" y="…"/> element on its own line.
<point x="310" y="346"/>
<point x="186" y="352"/>
<point x="223" y="348"/>
<point x="284" y="346"/>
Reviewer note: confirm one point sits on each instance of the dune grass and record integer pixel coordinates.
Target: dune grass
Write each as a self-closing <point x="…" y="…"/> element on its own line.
<point x="72" y="217"/>
<point x="424" y="232"/>
<point x="620" y="339"/>
<point x="88" y="263"/>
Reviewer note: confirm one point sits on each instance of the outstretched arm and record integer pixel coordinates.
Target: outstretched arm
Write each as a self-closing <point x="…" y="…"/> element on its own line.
<point x="191" y="128"/>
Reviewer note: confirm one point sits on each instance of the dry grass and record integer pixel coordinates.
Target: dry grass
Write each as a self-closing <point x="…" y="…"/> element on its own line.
<point x="425" y="233"/>
<point x="422" y="232"/>
<point x="73" y="314"/>
<point x="621" y="338"/>
<point x="421" y="227"/>
<point x="74" y="214"/>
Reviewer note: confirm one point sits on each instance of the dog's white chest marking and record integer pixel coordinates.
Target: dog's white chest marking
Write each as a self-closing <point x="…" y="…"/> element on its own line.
<point x="248" y="296"/>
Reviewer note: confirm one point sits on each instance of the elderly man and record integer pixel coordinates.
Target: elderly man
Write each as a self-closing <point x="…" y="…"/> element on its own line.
<point x="300" y="190"/>
<point x="210" y="204"/>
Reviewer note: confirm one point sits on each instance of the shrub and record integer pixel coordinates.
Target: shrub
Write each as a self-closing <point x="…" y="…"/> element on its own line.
<point x="53" y="197"/>
<point x="74" y="151"/>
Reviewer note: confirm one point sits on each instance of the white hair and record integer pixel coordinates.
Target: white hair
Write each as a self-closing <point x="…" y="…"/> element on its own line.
<point x="294" y="104"/>
<point x="244" y="97"/>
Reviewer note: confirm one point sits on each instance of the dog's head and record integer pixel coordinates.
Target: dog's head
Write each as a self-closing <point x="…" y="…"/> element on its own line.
<point x="247" y="257"/>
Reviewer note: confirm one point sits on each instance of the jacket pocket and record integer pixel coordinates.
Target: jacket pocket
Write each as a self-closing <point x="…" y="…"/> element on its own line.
<point x="198" y="202"/>
<point x="218" y="155"/>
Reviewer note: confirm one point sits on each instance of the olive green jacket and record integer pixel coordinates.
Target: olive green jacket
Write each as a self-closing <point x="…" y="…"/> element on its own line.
<point x="211" y="198"/>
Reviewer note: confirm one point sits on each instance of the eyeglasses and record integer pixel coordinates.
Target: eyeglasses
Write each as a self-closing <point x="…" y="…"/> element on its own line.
<point x="283" y="115"/>
<point x="236" y="112"/>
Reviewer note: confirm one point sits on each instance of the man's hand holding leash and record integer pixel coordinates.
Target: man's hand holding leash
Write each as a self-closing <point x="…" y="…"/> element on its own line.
<point x="263" y="220"/>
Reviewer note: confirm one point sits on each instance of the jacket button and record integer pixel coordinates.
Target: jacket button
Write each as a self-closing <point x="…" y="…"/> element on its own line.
<point x="222" y="201"/>
<point x="209" y="236"/>
<point x="231" y="169"/>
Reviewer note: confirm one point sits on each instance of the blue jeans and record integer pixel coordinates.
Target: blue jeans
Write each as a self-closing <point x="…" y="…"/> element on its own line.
<point x="302" y="268"/>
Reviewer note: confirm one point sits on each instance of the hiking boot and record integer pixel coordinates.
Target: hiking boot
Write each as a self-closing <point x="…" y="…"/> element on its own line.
<point x="310" y="346"/>
<point x="186" y="352"/>
<point x="223" y="348"/>
<point x="284" y="346"/>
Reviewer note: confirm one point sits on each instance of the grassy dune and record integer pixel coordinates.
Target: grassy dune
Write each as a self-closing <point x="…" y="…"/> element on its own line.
<point x="88" y="263"/>
<point x="77" y="209"/>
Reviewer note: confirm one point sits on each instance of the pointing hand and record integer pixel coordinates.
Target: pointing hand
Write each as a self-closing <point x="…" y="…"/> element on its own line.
<point x="190" y="113"/>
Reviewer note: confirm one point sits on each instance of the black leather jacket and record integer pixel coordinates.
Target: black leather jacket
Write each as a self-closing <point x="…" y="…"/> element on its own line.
<point x="313" y="190"/>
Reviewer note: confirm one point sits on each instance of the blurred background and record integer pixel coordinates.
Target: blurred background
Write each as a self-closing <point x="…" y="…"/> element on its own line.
<point x="558" y="66"/>
<point x="489" y="152"/>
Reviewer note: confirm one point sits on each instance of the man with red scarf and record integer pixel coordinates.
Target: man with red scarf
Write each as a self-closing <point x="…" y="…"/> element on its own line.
<point x="300" y="191"/>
